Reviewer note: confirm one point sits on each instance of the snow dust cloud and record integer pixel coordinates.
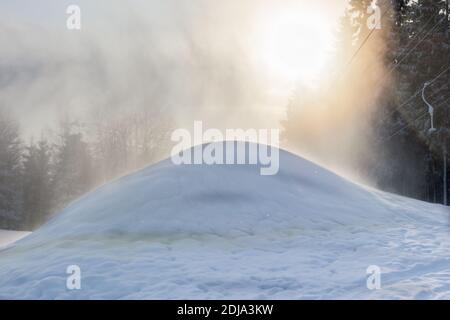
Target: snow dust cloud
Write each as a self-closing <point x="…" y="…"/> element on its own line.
<point x="332" y="124"/>
<point x="186" y="60"/>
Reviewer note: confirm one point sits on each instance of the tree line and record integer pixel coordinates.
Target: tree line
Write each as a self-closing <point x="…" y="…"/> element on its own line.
<point x="41" y="176"/>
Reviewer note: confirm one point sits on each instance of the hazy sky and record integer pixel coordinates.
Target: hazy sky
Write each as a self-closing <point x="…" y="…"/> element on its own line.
<point x="231" y="63"/>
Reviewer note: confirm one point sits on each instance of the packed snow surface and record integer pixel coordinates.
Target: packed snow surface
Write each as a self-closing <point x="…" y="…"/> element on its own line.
<point x="226" y="232"/>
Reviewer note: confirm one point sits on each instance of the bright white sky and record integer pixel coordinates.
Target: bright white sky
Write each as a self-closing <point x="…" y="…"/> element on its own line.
<point x="205" y="56"/>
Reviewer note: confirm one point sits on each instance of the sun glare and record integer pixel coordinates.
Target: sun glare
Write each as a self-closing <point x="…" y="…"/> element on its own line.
<point x="292" y="46"/>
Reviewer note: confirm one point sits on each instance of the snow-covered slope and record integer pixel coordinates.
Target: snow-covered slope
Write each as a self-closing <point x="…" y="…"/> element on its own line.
<point x="225" y="231"/>
<point x="7" y="237"/>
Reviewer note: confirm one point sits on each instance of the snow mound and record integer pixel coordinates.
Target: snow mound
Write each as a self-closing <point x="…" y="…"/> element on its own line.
<point x="7" y="237"/>
<point x="225" y="231"/>
<point x="168" y="199"/>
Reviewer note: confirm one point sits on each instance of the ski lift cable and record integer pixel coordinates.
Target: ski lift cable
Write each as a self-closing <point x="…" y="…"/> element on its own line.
<point x="421" y="115"/>
<point x="409" y="52"/>
<point x="421" y="32"/>
<point x="429" y="83"/>
<point x="353" y="57"/>
<point x="417" y="92"/>
<point x="436" y="92"/>
<point x="404" y="55"/>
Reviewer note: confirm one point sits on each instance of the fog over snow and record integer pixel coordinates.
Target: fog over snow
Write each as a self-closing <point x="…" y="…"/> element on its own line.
<point x="192" y="59"/>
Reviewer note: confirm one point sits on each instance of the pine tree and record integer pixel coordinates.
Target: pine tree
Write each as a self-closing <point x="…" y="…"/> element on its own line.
<point x="10" y="172"/>
<point x="73" y="166"/>
<point x="37" y="184"/>
<point x="418" y="52"/>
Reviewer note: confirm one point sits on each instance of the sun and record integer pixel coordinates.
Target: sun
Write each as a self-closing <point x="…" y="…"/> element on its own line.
<point x="292" y="46"/>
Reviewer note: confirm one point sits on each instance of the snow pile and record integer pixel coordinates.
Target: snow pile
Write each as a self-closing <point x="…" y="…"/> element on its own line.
<point x="7" y="237"/>
<point x="225" y="231"/>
